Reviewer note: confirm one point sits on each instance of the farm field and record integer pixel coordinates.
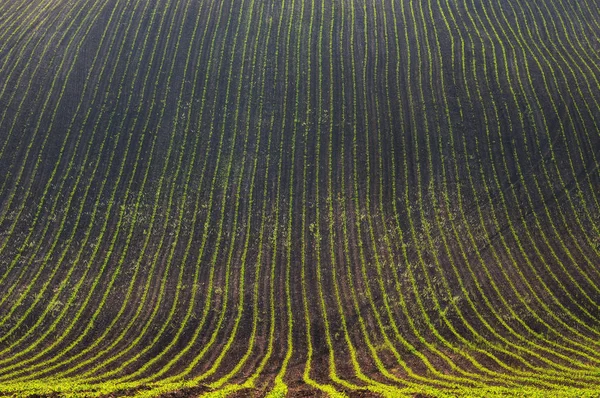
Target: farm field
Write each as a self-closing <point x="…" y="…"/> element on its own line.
<point x="260" y="198"/>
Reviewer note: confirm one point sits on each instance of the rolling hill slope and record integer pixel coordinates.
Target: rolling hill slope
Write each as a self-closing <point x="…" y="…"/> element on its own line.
<point x="343" y="198"/>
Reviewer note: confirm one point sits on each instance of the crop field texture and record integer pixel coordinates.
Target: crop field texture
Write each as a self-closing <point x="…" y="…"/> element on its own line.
<point x="346" y="198"/>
